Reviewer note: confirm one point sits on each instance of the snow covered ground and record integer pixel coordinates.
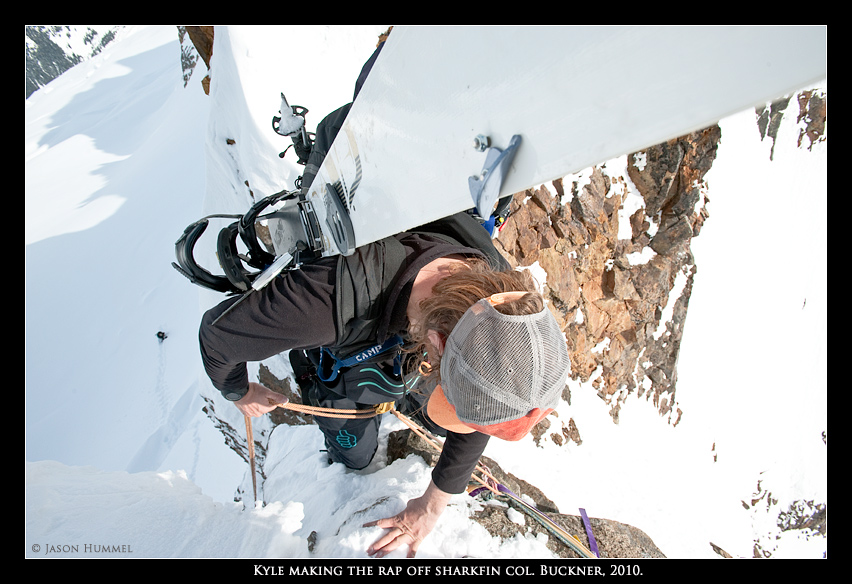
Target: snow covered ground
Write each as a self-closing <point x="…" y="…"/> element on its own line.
<point x="122" y="462"/>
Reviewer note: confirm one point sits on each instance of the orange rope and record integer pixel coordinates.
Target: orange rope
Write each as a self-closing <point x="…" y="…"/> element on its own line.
<point x="333" y="413"/>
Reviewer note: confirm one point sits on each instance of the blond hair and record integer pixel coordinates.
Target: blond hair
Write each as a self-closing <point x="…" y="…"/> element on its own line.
<point x="468" y="283"/>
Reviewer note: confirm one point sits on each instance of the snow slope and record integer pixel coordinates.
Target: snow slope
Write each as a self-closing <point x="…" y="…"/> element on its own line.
<point x="120" y="157"/>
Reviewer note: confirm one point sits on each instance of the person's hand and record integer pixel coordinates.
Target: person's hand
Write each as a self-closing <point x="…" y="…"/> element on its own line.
<point x="410" y="526"/>
<point x="259" y="400"/>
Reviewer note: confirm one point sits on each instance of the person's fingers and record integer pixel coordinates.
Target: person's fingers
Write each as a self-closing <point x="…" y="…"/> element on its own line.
<point x="397" y="541"/>
<point x="259" y="400"/>
<point x="279" y="400"/>
<point x="412" y="547"/>
<point x="386" y="543"/>
<point x="397" y="535"/>
<point x="384" y="523"/>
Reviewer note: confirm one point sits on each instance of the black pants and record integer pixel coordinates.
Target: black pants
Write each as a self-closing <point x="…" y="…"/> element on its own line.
<point x="350" y="442"/>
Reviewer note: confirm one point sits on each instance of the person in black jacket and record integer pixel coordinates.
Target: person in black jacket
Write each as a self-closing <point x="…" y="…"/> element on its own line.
<point x="494" y="353"/>
<point x="491" y="357"/>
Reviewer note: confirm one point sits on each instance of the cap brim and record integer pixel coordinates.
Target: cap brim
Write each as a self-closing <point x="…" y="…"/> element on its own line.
<point x="443" y="413"/>
<point x="514" y="430"/>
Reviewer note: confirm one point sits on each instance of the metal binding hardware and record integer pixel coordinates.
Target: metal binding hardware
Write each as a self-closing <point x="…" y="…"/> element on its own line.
<point x="485" y="187"/>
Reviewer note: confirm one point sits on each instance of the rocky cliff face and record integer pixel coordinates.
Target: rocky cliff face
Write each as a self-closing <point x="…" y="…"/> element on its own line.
<point x="196" y="42"/>
<point x="616" y="252"/>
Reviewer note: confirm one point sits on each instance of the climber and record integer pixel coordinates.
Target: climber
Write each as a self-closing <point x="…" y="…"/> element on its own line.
<point x="480" y="354"/>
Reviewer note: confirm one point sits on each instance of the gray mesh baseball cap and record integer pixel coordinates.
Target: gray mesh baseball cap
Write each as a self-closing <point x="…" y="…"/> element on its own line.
<point x="497" y="367"/>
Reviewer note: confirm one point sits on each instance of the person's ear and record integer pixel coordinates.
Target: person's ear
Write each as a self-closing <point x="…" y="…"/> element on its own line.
<point x="437" y="340"/>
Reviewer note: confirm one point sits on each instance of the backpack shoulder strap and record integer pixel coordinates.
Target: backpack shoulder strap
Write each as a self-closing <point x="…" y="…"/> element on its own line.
<point x="364" y="282"/>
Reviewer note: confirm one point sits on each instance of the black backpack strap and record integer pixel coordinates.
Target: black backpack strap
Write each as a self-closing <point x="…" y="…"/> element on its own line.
<point x="364" y="283"/>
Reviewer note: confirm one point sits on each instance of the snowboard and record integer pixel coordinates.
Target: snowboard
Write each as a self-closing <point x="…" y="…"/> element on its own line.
<point x="455" y="118"/>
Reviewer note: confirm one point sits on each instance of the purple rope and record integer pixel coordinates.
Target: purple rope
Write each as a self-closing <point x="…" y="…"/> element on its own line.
<point x="476" y="491"/>
<point x="593" y="545"/>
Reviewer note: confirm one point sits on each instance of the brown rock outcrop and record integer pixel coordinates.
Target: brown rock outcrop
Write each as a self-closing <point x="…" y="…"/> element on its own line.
<point x="202" y="38"/>
<point x="608" y="299"/>
<point x="200" y="45"/>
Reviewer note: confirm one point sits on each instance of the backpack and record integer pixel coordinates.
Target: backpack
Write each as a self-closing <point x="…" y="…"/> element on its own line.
<point x="365" y="364"/>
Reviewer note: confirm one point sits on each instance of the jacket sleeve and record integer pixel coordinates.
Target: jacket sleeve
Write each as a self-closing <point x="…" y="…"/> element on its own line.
<point x="458" y="458"/>
<point x="295" y="311"/>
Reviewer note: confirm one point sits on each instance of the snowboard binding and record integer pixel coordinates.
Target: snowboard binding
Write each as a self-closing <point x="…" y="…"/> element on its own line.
<point x="243" y="269"/>
<point x="276" y="237"/>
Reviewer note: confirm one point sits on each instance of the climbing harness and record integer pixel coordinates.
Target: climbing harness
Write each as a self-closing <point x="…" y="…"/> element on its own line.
<point x="329" y="373"/>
